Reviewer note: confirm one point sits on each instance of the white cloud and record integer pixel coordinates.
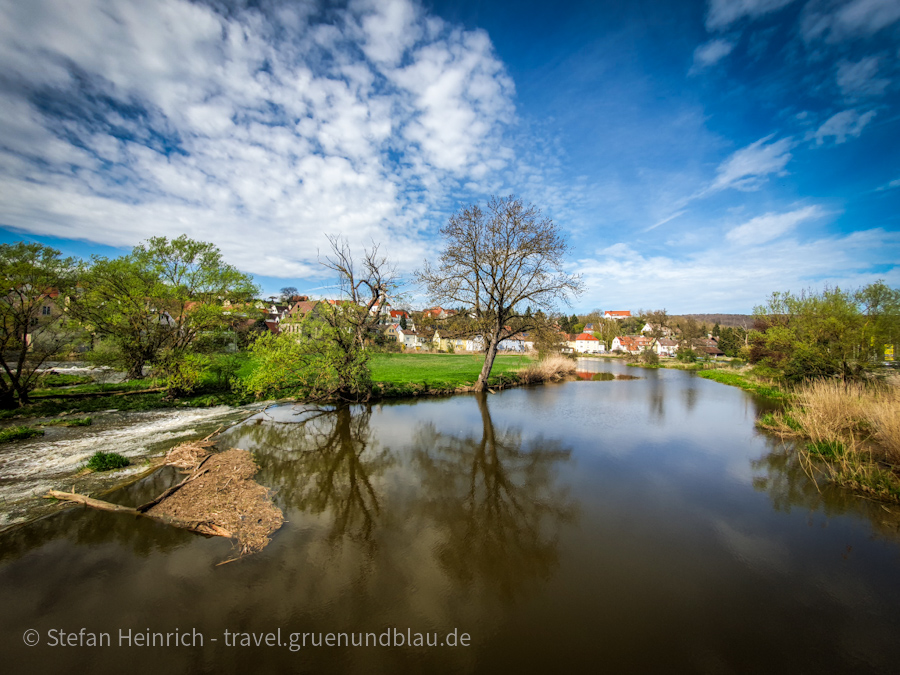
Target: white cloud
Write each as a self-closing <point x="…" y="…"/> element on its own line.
<point x="843" y="125"/>
<point x="839" y="21"/>
<point x="859" y="79"/>
<point x="723" y="13"/>
<point x="723" y="278"/>
<point x="749" y="168"/>
<point x="711" y="52"/>
<point x="770" y="226"/>
<point x="259" y="130"/>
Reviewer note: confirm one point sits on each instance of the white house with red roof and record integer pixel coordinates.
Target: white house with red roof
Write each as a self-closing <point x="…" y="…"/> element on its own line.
<point x="585" y="343"/>
<point x="631" y="343"/>
<point x="617" y="315"/>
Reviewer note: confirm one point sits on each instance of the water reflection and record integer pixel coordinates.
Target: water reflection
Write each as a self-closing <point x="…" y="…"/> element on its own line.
<point x="791" y="482"/>
<point x="325" y="462"/>
<point x="495" y="502"/>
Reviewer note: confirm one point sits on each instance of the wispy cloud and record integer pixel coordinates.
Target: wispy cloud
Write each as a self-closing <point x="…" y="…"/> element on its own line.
<point x="834" y="21"/>
<point x="859" y="79"/>
<point x="723" y="13"/>
<point x="711" y="53"/>
<point x="750" y="167"/>
<point x="845" y="124"/>
<point x="770" y="226"/>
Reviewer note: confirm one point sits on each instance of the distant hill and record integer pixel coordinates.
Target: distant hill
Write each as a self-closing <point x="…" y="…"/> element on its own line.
<point x="732" y="320"/>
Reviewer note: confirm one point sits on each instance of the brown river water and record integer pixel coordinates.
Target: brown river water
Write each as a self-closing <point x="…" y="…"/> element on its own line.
<point x="599" y="526"/>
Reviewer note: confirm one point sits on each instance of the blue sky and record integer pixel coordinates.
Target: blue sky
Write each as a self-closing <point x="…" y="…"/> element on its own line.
<point x="699" y="155"/>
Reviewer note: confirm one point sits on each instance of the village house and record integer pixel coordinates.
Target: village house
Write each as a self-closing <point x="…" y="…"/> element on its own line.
<point x="656" y="328"/>
<point x="631" y="344"/>
<point x="585" y="343"/>
<point x="410" y="339"/>
<point x="617" y="315"/>
<point x="666" y="347"/>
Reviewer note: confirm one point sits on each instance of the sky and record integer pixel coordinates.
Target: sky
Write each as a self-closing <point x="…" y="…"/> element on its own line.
<point x="697" y="155"/>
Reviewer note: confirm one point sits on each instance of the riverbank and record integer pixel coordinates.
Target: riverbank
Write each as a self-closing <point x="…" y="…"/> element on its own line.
<point x="849" y="434"/>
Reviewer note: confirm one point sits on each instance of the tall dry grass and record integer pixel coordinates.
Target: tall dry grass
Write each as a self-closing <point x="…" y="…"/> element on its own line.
<point x="855" y="427"/>
<point x="549" y="369"/>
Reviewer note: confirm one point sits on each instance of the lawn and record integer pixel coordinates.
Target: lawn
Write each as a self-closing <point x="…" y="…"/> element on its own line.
<point x="438" y="371"/>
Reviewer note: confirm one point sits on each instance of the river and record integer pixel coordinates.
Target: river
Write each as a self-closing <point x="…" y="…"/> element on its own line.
<point x="620" y="526"/>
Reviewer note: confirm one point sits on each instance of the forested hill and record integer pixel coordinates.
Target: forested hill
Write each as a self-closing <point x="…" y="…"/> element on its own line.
<point x="733" y="320"/>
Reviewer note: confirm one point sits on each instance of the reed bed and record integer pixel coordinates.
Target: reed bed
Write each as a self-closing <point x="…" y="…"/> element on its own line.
<point x="853" y="432"/>
<point x="551" y="368"/>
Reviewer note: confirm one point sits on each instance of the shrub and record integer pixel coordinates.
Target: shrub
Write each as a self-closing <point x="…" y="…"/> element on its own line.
<point x="107" y="461"/>
<point x="649" y="357"/>
<point x="686" y="355"/>
<point x="809" y="362"/>
<point x="181" y="373"/>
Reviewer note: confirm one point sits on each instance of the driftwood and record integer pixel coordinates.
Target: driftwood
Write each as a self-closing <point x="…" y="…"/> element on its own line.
<point x="203" y="528"/>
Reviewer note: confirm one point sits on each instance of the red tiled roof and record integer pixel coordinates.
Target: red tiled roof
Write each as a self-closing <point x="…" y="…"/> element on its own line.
<point x="586" y="336"/>
<point x="625" y="313"/>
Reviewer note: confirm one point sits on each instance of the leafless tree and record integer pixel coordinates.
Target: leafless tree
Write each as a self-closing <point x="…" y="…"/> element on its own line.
<point x="364" y="287"/>
<point x="497" y="262"/>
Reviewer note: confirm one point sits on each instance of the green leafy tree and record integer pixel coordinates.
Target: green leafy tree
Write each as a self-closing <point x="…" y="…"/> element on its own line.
<point x="155" y="303"/>
<point x="496" y="262"/>
<point x="33" y="323"/>
<point x="834" y="332"/>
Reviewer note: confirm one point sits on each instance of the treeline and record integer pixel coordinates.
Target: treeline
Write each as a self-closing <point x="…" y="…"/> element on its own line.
<point x="827" y="334"/>
<point x="167" y="304"/>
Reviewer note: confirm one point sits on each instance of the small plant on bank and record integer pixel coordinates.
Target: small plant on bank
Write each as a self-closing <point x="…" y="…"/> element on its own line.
<point x="107" y="461"/>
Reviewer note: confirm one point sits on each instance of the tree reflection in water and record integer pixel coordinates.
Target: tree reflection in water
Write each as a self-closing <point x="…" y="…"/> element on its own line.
<point x="788" y="482"/>
<point x="495" y="503"/>
<point x="325" y="462"/>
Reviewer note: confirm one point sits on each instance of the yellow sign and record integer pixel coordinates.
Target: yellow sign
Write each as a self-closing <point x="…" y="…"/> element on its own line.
<point x="889" y="352"/>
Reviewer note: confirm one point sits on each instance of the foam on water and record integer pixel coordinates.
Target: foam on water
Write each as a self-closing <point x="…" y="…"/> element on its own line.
<point x="29" y="468"/>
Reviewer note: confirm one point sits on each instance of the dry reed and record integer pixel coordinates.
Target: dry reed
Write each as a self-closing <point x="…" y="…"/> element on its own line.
<point x="551" y="368"/>
<point x="854" y="427"/>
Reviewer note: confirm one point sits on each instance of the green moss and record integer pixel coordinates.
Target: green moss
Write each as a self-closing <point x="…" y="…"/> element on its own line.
<point x="69" y="422"/>
<point x="16" y="433"/>
<point x="107" y="461"/>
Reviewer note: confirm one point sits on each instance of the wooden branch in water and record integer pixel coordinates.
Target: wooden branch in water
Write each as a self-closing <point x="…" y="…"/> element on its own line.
<point x="88" y="501"/>
<point x="210" y="529"/>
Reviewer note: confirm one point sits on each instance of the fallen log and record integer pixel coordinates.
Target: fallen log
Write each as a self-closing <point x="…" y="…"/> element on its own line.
<point x="210" y="529"/>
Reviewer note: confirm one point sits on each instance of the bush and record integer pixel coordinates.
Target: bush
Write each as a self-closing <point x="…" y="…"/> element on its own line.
<point x="649" y="357"/>
<point x="225" y="369"/>
<point x="181" y="373"/>
<point x="107" y="461"/>
<point x="808" y="362"/>
<point x="686" y="355"/>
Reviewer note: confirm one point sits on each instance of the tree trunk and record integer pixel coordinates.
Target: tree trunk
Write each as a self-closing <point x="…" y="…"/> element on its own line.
<point x="489" y="357"/>
<point x="135" y="370"/>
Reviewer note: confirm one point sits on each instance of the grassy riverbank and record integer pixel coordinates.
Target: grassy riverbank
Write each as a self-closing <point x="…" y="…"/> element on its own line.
<point x="850" y="433"/>
<point x="393" y="376"/>
<point x="746" y="381"/>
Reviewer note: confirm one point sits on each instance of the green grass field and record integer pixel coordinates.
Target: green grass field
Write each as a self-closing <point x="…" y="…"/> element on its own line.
<point x="438" y="371"/>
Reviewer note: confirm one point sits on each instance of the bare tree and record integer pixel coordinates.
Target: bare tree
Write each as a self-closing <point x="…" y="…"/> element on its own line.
<point x="363" y="288"/>
<point x="322" y="355"/>
<point x="496" y="262"/>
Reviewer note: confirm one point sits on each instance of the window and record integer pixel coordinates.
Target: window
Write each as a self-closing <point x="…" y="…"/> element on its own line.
<point x="45" y="310"/>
